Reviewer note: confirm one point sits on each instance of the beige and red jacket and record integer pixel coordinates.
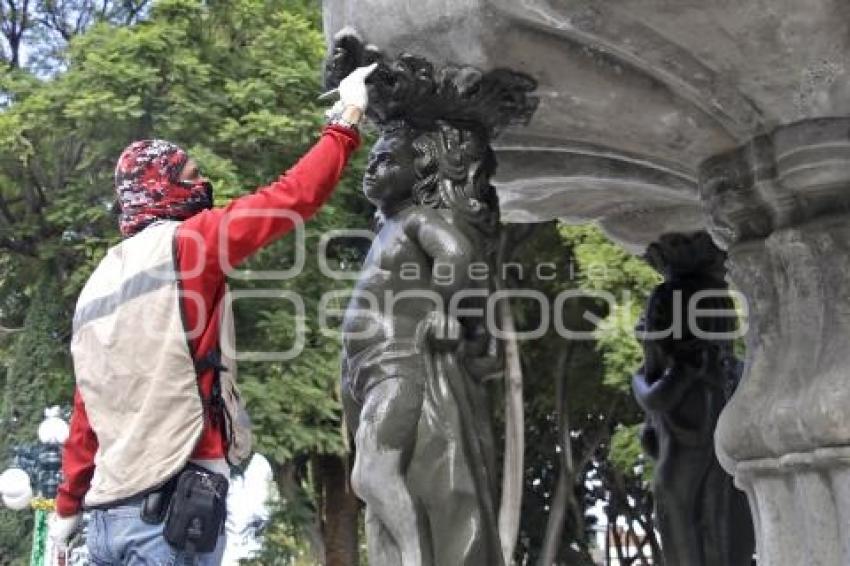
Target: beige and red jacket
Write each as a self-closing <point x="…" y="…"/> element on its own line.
<point x="203" y="247"/>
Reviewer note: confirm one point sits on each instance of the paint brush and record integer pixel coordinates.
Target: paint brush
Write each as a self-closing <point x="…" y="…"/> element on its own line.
<point x="328" y="94"/>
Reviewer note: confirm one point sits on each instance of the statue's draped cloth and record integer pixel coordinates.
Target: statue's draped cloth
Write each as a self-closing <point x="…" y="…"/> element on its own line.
<point x="449" y="473"/>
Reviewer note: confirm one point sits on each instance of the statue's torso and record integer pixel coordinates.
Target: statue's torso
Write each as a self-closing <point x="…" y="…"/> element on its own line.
<point x="394" y="292"/>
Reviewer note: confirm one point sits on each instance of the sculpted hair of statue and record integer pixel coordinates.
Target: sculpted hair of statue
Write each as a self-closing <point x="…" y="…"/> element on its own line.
<point x="453" y="168"/>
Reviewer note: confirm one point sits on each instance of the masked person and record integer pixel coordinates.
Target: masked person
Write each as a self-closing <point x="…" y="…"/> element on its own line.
<point x="157" y="417"/>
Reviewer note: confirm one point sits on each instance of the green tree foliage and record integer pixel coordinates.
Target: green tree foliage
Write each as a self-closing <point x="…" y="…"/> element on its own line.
<point x="548" y="266"/>
<point x="37" y="377"/>
<point x="603" y="417"/>
<point x="621" y="470"/>
<point x="605" y="266"/>
<point x="235" y="83"/>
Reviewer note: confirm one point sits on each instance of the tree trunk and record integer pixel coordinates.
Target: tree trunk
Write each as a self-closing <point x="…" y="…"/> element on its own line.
<point x="564" y="495"/>
<point x="288" y="486"/>
<point x="340" y="511"/>
<point x="555" y="523"/>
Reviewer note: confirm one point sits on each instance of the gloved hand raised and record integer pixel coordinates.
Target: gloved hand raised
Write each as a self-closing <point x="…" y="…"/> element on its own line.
<point x="352" y="89"/>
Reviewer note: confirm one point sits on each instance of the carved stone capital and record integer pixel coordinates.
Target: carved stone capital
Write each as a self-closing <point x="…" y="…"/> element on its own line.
<point x="792" y="175"/>
<point x="780" y="204"/>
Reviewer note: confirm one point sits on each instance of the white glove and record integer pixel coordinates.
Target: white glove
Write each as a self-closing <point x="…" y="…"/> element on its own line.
<point x="335" y="111"/>
<point x="60" y="529"/>
<point x="352" y="89"/>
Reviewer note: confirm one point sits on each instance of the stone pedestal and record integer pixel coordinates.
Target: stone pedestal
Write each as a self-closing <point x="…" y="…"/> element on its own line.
<point x="781" y="207"/>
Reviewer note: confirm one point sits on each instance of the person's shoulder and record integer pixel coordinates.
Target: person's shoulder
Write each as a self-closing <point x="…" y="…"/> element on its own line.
<point x="197" y="236"/>
<point x="199" y="219"/>
<point x="199" y="226"/>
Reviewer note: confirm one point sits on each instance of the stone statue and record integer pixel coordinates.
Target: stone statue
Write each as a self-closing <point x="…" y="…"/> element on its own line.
<point x="406" y="391"/>
<point x="416" y="352"/>
<point x="683" y="385"/>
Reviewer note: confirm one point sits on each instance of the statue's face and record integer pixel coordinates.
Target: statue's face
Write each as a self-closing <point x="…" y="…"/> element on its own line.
<point x="390" y="174"/>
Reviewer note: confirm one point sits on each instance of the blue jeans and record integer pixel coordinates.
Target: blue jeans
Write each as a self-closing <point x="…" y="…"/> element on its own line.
<point x="119" y="537"/>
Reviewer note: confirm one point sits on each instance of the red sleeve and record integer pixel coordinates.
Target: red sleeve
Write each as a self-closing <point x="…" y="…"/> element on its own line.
<point x="232" y="233"/>
<point x="77" y="461"/>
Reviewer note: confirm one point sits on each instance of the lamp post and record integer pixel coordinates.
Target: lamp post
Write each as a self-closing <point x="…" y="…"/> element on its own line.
<point x="34" y="476"/>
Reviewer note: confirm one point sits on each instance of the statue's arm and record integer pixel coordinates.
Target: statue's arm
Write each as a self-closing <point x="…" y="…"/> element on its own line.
<point x="450" y="250"/>
<point x="649" y="438"/>
<point x="662" y="394"/>
<point x="484" y="355"/>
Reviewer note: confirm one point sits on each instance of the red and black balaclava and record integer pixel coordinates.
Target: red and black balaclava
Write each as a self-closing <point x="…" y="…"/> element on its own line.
<point x="148" y="186"/>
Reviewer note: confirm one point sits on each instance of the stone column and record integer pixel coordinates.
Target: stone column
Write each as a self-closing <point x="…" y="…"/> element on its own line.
<point x="780" y="205"/>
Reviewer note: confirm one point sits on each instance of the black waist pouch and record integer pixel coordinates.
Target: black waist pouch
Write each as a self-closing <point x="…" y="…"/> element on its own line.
<point x="197" y="510"/>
